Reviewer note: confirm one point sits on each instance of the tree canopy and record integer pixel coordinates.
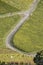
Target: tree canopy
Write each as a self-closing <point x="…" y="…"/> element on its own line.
<point x="38" y="59"/>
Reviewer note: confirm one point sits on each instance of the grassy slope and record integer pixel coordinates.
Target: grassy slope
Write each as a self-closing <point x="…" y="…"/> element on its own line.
<point x="19" y="4"/>
<point x="30" y="36"/>
<point x="5" y="25"/>
<point x="5" y="8"/>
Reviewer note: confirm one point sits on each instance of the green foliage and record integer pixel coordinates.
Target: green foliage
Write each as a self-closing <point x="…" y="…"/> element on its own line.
<point x="29" y="38"/>
<point x="38" y="59"/>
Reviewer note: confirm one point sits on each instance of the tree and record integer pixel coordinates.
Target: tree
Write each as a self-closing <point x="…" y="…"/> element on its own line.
<point x="3" y="63"/>
<point x="38" y="59"/>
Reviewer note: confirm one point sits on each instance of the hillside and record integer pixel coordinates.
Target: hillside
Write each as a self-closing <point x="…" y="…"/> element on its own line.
<point x="29" y="38"/>
<point x="7" y="23"/>
<point x="19" y="4"/>
<point x="6" y="8"/>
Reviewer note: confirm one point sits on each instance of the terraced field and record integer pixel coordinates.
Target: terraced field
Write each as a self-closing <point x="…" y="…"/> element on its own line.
<point x="29" y="38"/>
<point x="20" y="4"/>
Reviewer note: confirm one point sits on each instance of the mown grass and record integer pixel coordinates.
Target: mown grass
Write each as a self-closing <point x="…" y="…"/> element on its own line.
<point x="5" y="8"/>
<point x="29" y="38"/>
<point x="19" y="4"/>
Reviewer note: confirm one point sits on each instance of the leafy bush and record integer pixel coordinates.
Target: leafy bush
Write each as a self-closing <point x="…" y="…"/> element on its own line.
<point x="38" y="59"/>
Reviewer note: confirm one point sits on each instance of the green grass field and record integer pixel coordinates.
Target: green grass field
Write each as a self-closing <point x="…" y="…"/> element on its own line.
<point x="29" y="38"/>
<point x="5" y="8"/>
<point x="6" y="24"/>
<point x="20" y="4"/>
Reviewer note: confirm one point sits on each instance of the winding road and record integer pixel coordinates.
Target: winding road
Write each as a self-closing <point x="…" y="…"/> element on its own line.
<point x="12" y="33"/>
